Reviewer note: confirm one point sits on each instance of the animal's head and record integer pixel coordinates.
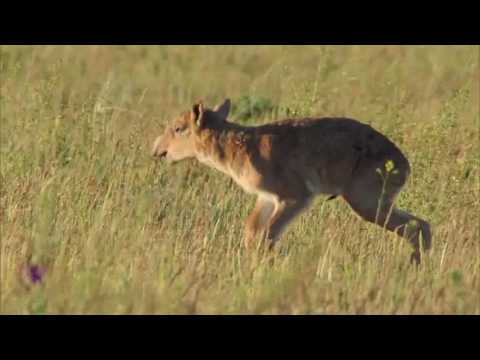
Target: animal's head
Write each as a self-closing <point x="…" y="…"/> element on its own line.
<point x="178" y="140"/>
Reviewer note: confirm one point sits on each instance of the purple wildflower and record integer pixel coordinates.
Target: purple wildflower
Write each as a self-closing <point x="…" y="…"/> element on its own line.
<point x="35" y="273"/>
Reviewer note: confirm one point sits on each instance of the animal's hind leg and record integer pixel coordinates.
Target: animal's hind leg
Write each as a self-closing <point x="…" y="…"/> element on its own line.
<point x="410" y="227"/>
<point x="377" y="207"/>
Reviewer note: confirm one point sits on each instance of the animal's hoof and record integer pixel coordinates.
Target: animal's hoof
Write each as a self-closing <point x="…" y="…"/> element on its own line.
<point x="415" y="258"/>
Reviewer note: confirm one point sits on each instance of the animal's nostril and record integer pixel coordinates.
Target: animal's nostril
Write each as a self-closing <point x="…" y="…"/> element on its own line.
<point x="159" y="154"/>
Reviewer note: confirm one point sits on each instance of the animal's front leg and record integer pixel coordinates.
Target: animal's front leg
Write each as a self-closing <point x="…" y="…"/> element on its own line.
<point x="285" y="212"/>
<point x="257" y="220"/>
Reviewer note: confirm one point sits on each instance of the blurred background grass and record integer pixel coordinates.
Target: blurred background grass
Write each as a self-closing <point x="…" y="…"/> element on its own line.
<point x="120" y="233"/>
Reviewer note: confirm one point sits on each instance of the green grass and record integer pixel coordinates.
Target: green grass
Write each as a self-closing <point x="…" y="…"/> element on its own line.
<point x="120" y="233"/>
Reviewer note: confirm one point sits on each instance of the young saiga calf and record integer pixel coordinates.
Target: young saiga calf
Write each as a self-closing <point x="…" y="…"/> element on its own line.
<point x="287" y="163"/>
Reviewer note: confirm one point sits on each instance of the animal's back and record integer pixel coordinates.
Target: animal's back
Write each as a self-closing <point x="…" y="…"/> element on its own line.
<point x="327" y="152"/>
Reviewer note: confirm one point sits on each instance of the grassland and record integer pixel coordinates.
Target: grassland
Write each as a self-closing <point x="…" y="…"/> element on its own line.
<point x="119" y="233"/>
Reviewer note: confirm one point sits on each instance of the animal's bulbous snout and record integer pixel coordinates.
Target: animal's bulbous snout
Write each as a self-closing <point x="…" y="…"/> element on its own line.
<point x="157" y="150"/>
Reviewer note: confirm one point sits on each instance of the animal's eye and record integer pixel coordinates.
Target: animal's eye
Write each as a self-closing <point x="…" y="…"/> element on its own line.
<point x="178" y="129"/>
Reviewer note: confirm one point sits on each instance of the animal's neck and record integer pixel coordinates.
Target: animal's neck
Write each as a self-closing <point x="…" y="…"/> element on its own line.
<point x="222" y="147"/>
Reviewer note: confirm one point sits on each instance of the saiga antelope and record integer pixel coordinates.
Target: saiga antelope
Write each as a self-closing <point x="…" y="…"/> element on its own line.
<point x="287" y="163"/>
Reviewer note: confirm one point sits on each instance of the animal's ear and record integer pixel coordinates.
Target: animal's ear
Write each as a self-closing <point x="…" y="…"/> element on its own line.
<point x="197" y="114"/>
<point x="223" y="109"/>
